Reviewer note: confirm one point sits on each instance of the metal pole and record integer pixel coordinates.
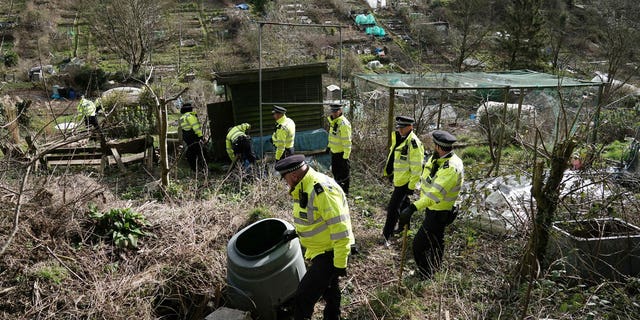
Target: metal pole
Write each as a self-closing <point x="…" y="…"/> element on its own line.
<point x="260" y="86"/>
<point x="341" y="89"/>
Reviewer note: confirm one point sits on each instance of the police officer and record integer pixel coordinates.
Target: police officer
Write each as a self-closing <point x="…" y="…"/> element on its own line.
<point x="87" y="110"/>
<point x="285" y="133"/>
<point x="441" y="181"/>
<point x="339" y="146"/>
<point x="239" y="145"/>
<point x="192" y="136"/>
<point x="321" y="219"/>
<point x="404" y="167"/>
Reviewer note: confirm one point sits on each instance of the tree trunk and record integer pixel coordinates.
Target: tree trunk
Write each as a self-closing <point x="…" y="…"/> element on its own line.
<point x="162" y="137"/>
<point x="546" y="192"/>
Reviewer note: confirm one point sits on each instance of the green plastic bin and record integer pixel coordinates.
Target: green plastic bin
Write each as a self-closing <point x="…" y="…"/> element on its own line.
<point x="263" y="272"/>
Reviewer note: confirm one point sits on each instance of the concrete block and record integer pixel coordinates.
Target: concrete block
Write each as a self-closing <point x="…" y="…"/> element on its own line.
<point x="224" y="313"/>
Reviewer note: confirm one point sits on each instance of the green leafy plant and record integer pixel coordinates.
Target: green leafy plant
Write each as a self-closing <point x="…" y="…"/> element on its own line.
<point x="54" y="273"/>
<point x="123" y="225"/>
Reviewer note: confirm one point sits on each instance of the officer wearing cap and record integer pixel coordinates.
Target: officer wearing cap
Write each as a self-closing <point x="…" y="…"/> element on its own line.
<point x="285" y="133"/>
<point x="404" y="166"/>
<point x="192" y="136"/>
<point x="321" y="219"/>
<point x="441" y="181"/>
<point x="339" y="146"/>
<point x="238" y="145"/>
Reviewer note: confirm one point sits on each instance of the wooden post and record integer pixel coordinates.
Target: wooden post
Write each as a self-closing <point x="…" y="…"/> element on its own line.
<point x="390" y="121"/>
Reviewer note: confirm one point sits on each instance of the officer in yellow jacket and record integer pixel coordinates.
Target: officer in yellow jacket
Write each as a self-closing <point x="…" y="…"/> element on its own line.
<point x="321" y="219"/>
<point x="238" y="145"/>
<point x="340" y="146"/>
<point x="441" y="181"/>
<point x="285" y="134"/>
<point x="87" y="111"/>
<point x="404" y="165"/>
<point x="192" y="136"/>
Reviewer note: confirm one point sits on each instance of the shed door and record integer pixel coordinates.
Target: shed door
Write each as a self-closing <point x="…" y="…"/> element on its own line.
<point x="220" y="120"/>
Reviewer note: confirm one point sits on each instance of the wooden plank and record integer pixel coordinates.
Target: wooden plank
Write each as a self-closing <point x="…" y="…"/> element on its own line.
<point x="97" y="161"/>
<point x="116" y="156"/>
<point x="82" y="156"/>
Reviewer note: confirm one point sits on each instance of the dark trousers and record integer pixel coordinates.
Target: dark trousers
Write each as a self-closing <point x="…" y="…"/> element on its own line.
<point x="399" y="200"/>
<point x="319" y="281"/>
<point x="92" y="121"/>
<point x="194" y="150"/>
<point x="428" y="244"/>
<point x="242" y="147"/>
<point x="340" y="169"/>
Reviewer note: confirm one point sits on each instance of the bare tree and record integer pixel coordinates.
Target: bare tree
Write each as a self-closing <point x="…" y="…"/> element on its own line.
<point x="125" y="27"/>
<point x="524" y="37"/>
<point x="547" y="178"/>
<point x="620" y="43"/>
<point x="468" y="16"/>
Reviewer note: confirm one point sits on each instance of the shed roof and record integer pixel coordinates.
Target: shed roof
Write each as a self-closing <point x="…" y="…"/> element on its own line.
<point x="475" y="80"/>
<point x="277" y="73"/>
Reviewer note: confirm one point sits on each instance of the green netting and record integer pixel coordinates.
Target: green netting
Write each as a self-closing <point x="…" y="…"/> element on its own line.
<point x="475" y="80"/>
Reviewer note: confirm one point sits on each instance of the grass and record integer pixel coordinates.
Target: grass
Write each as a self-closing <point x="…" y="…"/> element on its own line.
<point x="51" y="272"/>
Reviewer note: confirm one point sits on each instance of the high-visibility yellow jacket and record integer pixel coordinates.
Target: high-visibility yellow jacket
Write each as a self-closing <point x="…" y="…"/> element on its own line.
<point x="284" y="135"/>
<point x="86" y="108"/>
<point x="189" y="121"/>
<point x="441" y="191"/>
<point x="408" y="157"/>
<point x="321" y="217"/>
<point x="233" y="134"/>
<point x="340" y="136"/>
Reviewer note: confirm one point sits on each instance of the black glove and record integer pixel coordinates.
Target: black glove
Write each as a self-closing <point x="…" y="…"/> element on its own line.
<point x="289" y="235"/>
<point x="270" y="141"/>
<point x="340" y="272"/>
<point x="405" y="216"/>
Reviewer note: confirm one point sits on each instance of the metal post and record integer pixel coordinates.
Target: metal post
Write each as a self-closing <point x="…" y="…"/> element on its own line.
<point x="260" y="86"/>
<point x="341" y="88"/>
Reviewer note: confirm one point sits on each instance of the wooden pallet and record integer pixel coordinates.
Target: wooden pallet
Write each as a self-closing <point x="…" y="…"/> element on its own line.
<point x="114" y="153"/>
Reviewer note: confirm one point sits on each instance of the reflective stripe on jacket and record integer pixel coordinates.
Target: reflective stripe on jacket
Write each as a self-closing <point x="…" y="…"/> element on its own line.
<point x="323" y="222"/>
<point x="284" y="136"/>
<point x="441" y="191"/>
<point x="189" y="121"/>
<point x="407" y="160"/>
<point x="233" y="134"/>
<point x="340" y="136"/>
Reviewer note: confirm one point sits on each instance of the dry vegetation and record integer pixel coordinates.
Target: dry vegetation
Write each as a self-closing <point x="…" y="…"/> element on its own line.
<point x="58" y="267"/>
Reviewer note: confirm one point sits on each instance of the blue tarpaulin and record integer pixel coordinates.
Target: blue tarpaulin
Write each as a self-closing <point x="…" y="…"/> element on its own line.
<point x="242" y="6"/>
<point x="310" y="140"/>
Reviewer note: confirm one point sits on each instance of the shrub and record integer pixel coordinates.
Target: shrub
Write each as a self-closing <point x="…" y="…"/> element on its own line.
<point x="615" y="151"/>
<point x="10" y="59"/>
<point x="122" y="225"/>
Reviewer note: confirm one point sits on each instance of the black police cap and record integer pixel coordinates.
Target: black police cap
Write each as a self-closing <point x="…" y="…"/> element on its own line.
<point x="335" y="107"/>
<point x="443" y="138"/>
<point x="290" y="164"/>
<point x="403" y="121"/>
<point x="279" y="109"/>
